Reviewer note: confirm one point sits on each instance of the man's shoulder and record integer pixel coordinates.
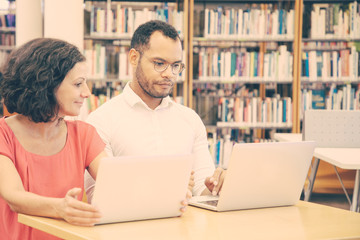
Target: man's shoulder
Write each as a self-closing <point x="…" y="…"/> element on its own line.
<point x="187" y="113"/>
<point x="115" y="101"/>
<point x="183" y="108"/>
<point x="108" y="108"/>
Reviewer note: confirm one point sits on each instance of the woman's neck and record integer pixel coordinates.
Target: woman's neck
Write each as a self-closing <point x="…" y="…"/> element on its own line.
<point x="47" y="131"/>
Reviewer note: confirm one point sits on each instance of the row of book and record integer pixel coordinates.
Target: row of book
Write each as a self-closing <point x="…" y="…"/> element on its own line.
<point x="121" y="21"/>
<point x="237" y="64"/>
<point x="342" y="64"/>
<point x="7" y="39"/>
<point x="255" y="21"/>
<point x="111" y="61"/>
<point x="344" y="97"/>
<point x="7" y="20"/>
<point x="107" y="61"/>
<point x="325" y="45"/>
<point x="102" y="92"/>
<point x="221" y="144"/>
<point x="207" y="96"/>
<point x="255" y="111"/>
<point x="334" y="20"/>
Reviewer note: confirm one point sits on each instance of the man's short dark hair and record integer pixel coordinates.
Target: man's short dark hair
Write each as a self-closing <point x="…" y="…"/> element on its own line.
<point x="141" y="36"/>
<point x="32" y="74"/>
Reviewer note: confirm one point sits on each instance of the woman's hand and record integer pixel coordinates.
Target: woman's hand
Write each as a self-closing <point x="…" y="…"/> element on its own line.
<point x="77" y="212"/>
<point x="185" y="202"/>
<point x="188" y="193"/>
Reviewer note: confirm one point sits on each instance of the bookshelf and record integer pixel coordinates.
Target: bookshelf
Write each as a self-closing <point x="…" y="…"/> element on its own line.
<point x="109" y="26"/>
<point x="330" y="70"/>
<point x="330" y="56"/>
<point x="233" y="46"/>
<point x="245" y="80"/>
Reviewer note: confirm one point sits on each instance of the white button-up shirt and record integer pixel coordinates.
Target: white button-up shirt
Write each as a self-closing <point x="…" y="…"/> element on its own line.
<point x="129" y="127"/>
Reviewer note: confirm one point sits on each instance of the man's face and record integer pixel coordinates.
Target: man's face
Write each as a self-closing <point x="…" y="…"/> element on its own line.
<point x="162" y="50"/>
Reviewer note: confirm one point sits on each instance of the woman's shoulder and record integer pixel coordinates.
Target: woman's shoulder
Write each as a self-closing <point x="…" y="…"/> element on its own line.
<point x="2" y="121"/>
<point x="4" y="127"/>
<point x="78" y="125"/>
<point x="80" y="131"/>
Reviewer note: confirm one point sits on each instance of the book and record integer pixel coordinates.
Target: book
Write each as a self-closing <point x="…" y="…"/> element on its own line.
<point x="318" y="99"/>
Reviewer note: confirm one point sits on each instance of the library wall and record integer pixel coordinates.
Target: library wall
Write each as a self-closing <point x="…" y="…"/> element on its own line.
<point x="64" y="22"/>
<point x="29" y="20"/>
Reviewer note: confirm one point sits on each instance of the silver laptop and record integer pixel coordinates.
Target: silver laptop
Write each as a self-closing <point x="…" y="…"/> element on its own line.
<point x="262" y="175"/>
<point x="138" y="188"/>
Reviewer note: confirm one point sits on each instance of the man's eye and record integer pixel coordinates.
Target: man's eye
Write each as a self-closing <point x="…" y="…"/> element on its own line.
<point x="159" y="64"/>
<point x="176" y="65"/>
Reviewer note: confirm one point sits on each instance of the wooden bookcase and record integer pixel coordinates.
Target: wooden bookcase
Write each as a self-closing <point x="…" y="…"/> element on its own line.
<point x="281" y="84"/>
<point x="262" y="44"/>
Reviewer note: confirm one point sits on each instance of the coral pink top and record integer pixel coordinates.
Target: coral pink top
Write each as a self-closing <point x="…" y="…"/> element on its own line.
<point x="50" y="176"/>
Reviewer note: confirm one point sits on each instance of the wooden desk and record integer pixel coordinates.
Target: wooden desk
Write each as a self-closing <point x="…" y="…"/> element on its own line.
<point x="345" y="158"/>
<point x="303" y="221"/>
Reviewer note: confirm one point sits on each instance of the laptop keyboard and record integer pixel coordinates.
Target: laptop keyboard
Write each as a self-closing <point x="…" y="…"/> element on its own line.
<point x="211" y="202"/>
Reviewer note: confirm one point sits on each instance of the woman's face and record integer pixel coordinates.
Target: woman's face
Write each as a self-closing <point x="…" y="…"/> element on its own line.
<point x="72" y="91"/>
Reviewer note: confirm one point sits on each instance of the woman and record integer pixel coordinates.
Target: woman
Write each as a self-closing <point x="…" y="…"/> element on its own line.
<point x="43" y="156"/>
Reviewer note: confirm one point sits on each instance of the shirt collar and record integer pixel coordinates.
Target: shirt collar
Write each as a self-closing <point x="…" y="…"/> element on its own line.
<point x="133" y="99"/>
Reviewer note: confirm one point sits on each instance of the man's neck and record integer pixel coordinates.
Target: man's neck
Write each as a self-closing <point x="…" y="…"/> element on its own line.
<point x="151" y="102"/>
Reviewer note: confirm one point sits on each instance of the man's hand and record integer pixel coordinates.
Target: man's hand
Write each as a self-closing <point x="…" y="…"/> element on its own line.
<point x="215" y="182"/>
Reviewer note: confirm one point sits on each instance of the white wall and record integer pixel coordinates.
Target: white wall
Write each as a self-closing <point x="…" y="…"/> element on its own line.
<point x="29" y="20"/>
<point x="64" y="19"/>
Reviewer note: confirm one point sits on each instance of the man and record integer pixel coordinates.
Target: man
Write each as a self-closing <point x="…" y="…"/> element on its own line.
<point x="143" y="120"/>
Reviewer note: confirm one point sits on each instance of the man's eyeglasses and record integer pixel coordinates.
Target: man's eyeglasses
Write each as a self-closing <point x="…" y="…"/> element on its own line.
<point x="161" y="66"/>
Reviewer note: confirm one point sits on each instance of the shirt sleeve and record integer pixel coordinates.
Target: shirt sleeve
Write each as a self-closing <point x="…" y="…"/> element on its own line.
<point x="103" y="128"/>
<point x="94" y="146"/>
<point x="203" y="164"/>
<point x="89" y="183"/>
<point x="92" y="142"/>
<point x="5" y="142"/>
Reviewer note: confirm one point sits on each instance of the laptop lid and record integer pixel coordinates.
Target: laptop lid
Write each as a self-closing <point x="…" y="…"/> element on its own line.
<point x="263" y="175"/>
<point x="141" y="187"/>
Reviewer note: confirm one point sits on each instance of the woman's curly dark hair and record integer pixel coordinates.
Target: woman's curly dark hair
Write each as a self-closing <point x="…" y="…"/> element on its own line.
<point x="32" y="74"/>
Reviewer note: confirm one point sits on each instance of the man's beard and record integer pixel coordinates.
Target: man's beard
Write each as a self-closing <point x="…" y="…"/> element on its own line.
<point x="144" y="84"/>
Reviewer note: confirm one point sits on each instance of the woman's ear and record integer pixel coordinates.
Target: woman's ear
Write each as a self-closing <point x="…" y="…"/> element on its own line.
<point x="134" y="57"/>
